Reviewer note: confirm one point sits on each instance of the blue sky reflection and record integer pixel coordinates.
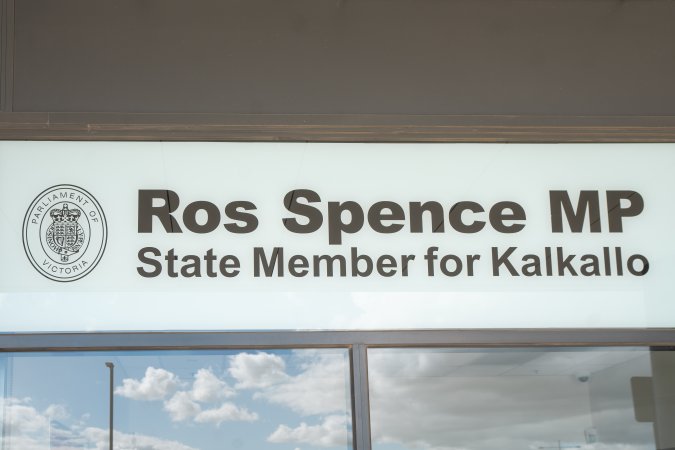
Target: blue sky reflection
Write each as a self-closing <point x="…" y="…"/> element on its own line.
<point x="180" y="400"/>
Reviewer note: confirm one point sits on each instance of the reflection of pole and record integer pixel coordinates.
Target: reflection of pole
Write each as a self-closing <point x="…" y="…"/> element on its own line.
<point x="111" y="366"/>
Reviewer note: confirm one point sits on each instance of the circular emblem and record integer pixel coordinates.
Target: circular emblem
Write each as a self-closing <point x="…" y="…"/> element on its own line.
<point x="64" y="233"/>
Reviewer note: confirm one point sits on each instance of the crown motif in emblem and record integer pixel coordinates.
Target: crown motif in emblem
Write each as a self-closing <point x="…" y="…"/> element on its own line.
<point x="65" y="236"/>
<point x="65" y="214"/>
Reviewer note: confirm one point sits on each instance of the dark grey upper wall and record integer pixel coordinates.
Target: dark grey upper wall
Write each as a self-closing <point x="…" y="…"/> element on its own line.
<point x="571" y="57"/>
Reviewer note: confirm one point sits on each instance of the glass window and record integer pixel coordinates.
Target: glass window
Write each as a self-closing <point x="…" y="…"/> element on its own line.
<point x="178" y="400"/>
<point x="520" y="399"/>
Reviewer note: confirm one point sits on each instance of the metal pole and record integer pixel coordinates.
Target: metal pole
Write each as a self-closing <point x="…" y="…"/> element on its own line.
<point x="111" y="366"/>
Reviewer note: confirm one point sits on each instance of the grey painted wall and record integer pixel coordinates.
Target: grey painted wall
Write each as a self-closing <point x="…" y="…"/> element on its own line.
<point x="570" y="57"/>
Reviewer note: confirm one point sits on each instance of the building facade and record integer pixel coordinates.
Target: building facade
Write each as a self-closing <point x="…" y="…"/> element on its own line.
<point x="137" y="136"/>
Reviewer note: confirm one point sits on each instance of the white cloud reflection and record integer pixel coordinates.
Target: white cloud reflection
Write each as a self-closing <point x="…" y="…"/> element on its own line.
<point x="207" y="389"/>
<point x="227" y="412"/>
<point x="319" y="388"/>
<point x="316" y="386"/>
<point x="182" y="407"/>
<point x="439" y="400"/>
<point x="155" y="385"/>
<point x="31" y="429"/>
<point x="331" y="432"/>
<point x="257" y="370"/>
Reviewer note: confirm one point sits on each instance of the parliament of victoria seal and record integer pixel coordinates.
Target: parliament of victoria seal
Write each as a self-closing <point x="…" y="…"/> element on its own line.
<point x="64" y="233"/>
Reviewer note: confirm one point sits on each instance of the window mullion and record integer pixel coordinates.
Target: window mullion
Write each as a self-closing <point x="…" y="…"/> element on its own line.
<point x="361" y="406"/>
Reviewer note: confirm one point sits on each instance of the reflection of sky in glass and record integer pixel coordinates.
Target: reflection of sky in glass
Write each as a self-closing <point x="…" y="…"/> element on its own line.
<point x="179" y="400"/>
<point x="506" y="399"/>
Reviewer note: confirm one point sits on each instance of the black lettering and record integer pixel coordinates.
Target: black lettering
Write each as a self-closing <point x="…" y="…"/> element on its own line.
<point x="606" y="259"/>
<point x="335" y="224"/>
<point x="631" y="265"/>
<point x="233" y="210"/>
<point x="229" y="266"/>
<point x="619" y="261"/>
<point x="455" y="217"/>
<point x="146" y="211"/>
<point x="386" y="266"/>
<point x="498" y="214"/>
<point x="170" y="258"/>
<point x="275" y="261"/>
<point x="193" y="268"/>
<point x="210" y="258"/>
<point x="212" y="217"/>
<point x="589" y="203"/>
<point x="532" y="267"/>
<point x="565" y="263"/>
<point x="405" y="263"/>
<point x="313" y="215"/>
<point x="591" y="267"/>
<point x="456" y="260"/>
<point x="615" y="213"/>
<point x="430" y="257"/>
<point x="376" y="215"/>
<point x="503" y="260"/>
<point x="157" y="266"/>
<point x="437" y="216"/>
<point x="356" y="259"/>
<point x="330" y="262"/>
<point x="298" y="266"/>
<point x="548" y="259"/>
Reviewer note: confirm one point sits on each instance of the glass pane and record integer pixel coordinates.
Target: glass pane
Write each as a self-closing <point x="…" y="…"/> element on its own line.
<point x="179" y="400"/>
<point x="520" y="399"/>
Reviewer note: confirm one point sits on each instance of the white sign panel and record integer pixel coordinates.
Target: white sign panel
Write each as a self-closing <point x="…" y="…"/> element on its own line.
<point x="157" y="236"/>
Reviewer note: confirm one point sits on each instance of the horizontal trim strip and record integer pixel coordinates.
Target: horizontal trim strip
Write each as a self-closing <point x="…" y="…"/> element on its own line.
<point x="299" y="339"/>
<point x="335" y="128"/>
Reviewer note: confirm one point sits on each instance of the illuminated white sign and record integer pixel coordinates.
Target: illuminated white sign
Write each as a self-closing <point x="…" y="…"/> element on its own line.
<point x="112" y="236"/>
